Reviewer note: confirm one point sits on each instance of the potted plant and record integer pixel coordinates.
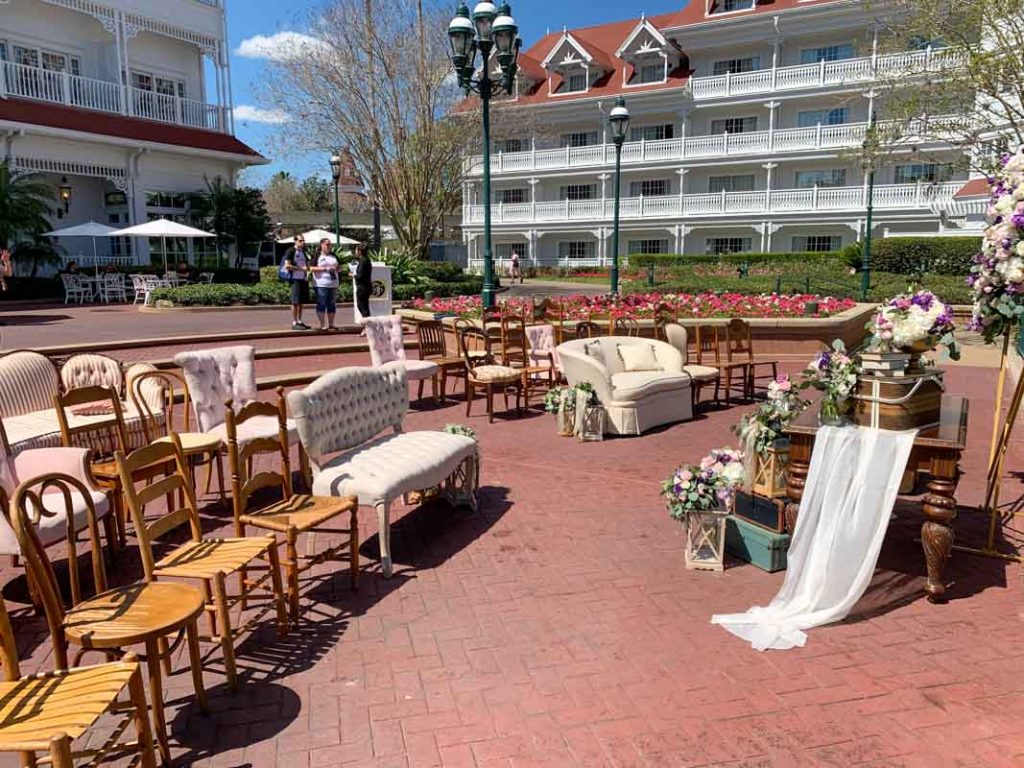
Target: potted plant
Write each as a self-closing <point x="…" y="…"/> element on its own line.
<point x="701" y="498"/>
<point x="834" y="373"/>
<point x="765" y="446"/>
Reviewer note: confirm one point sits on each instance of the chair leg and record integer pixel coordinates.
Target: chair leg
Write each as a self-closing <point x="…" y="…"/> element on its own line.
<point x="470" y="394"/>
<point x="275" y="580"/>
<point x="60" y="753"/>
<point x="384" y="537"/>
<point x="140" y="714"/>
<point x="196" y="663"/>
<point x="490" y="404"/>
<point x="419" y="390"/>
<point x="227" y="641"/>
<point x="728" y="386"/>
<point x="353" y="547"/>
<point x="156" y="695"/>
<point x="220" y="477"/>
<point x="291" y="566"/>
<point x="165" y="654"/>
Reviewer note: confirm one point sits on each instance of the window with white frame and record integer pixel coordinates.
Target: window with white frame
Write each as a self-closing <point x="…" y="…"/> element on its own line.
<point x="734" y="125"/>
<point x="826" y="53"/>
<point x="735" y="66"/>
<point x="512" y="196"/>
<point x="828" y="177"/>
<point x="504" y="251"/>
<point x="651" y="132"/>
<point x="914" y="172"/>
<point x="649" y="245"/>
<point x="650" y="73"/>
<point x="575" y="82"/>
<point x="119" y="246"/>
<point x="579" y="139"/>
<point x="577" y="192"/>
<point x="577" y="249"/>
<point x="165" y="86"/>
<point x="32" y="56"/>
<point x="729" y="244"/>
<point x="727" y="6"/>
<point x="813" y="117"/>
<point x="649" y="188"/>
<point x="510" y="145"/>
<point x="817" y="243"/>
<point x="736" y="183"/>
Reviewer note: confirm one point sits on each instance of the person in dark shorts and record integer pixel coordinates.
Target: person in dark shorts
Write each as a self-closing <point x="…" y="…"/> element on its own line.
<point x="296" y="263"/>
<point x="364" y="280"/>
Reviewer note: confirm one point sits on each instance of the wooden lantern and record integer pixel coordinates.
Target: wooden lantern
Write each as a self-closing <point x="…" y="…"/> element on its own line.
<point x="565" y="419"/>
<point x="771" y="471"/>
<point x="589" y="419"/>
<point x="705" y="539"/>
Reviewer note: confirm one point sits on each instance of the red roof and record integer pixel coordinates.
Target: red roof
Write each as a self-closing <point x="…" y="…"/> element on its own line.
<point x="974" y="188"/>
<point x="136" y="129"/>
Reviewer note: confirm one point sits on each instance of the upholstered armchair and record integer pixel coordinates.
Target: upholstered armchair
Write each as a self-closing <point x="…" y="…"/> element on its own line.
<point x="384" y="335"/>
<point x="543" y="351"/>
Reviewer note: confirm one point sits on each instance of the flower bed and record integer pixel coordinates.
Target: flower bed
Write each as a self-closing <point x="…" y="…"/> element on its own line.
<point x="640" y="306"/>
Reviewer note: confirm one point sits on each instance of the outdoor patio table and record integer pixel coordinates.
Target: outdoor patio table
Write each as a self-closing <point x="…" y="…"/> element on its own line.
<point x="936" y="450"/>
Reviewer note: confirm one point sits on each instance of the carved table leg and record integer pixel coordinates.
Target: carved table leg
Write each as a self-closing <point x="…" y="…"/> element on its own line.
<point x="939" y="506"/>
<point x="800" y="447"/>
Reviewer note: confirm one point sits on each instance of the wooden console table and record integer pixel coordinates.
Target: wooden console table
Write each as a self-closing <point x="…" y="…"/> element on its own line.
<point x="936" y="451"/>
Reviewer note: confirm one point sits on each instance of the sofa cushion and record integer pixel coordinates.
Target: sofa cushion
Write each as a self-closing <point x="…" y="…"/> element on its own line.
<point x="595" y="350"/>
<point x="701" y="372"/>
<point x="384" y="468"/>
<point x="52" y="526"/>
<point x="638" y="357"/>
<point x="40" y="429"/>
<point x="28" y="382"/>
<point x="419" y="369"/>
<point x="255" y="428"/>
<point x="636" y="385"/>
<point x="495" y="373"/>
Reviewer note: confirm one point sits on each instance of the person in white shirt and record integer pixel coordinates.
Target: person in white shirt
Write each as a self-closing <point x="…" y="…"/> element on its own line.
<point x="325" y="281"/>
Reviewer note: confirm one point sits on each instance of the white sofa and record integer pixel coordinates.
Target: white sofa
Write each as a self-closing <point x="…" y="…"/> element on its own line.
<point x="634" y="400"/>
<point x="340" y="418"/>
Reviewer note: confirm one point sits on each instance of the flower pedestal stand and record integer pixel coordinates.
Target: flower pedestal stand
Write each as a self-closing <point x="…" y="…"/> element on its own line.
<point x="705" y="539"/>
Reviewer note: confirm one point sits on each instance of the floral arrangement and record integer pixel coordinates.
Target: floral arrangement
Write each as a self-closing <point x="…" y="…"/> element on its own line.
<point x="760" y="429"/>
<point x="559" y="397"/>
<point x="645" y="305"/>
<point x="914" y="322"/>
<point x="997" y="275"/>
<point x="710" y="485"/>
<point x="834" y="373"/>
<point x="460" y="429"/>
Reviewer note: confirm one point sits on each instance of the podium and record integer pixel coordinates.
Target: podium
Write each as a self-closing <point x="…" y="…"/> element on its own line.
<point x="380" y="293"/>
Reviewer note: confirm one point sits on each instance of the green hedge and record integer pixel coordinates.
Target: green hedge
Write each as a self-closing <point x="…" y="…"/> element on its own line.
<point x="911" y="255"/>
<point x="689" y="259"/>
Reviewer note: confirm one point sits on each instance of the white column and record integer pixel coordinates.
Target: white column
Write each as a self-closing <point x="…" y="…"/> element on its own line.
<point x="683" y="232"/>
<point x="768" y="241"/>
<point x="229" y="96"/>
<point x="771" y="106"/>
<point x="763" y="227"/>
<point x="122" y="66"/>
<point x="768" y="184"/>
<point x="776" y="55"/>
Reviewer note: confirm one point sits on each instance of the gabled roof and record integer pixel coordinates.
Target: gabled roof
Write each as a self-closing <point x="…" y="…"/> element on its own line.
<point x="642" y="26"/>
<point x="595" y="56"/>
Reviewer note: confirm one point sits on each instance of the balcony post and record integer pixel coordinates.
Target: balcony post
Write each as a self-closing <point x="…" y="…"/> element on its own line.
<point x="768" y="185"/>
<point x="728" y="83"/>
<point x="771" y="105"/>
<point x="533" y="153"/>
<point x="725" y="143"/>
<point x="814" y="199"/>
<point x="3" y="79"/>
<point x="643" y="148"/>
<point x="65" y="85"/>
<point x="776" y="45"/>
<point x="821" y="72"/>
<point x="721" y="201"/>
<point x="817" y="136"/>
<point x="178" y="111"/>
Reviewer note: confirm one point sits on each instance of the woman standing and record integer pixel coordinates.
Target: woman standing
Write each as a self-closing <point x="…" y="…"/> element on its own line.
<point x="325" y="280"/>
<point x="364" y="280"/>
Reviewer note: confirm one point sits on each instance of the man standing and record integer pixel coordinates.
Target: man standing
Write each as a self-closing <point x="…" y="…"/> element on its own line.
<point x="295" y="264"/>
<point x="325" y="280"/>
<point x="516" y="270"/>
<point x="364" y="280"/>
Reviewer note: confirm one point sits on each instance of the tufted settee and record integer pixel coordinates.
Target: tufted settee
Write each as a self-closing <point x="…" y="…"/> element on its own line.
<point x="29" y="381"/>
<point x="340" y="418"/>
<point x="634" y="400"/>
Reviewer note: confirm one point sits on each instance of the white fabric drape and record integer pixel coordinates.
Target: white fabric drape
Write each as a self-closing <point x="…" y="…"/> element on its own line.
<point x="850" y="490"/>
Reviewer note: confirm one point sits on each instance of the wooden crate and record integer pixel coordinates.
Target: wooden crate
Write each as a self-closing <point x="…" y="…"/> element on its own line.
<point x="772" y="471"/>
<point x="911" y="401"/>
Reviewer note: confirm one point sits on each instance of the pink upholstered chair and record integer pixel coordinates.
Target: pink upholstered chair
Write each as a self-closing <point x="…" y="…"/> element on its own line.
<point x="384" y="335"/>
<point x="543" y="351"/>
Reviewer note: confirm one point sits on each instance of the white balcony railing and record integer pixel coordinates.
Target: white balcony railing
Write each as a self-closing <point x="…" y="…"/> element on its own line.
<point x="41" y="84"/>
<point x="853" y="199"/>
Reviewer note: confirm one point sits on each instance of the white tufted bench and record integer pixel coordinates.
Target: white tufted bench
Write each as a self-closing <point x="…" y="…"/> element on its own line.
<point x="344" y="413"/>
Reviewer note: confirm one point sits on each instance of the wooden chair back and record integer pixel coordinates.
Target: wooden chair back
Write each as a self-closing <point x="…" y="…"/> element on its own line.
<point x="707" y="345"/>
<point x="245" y="483"/>
<point x="604" y="321"/>
<point x="26" y="511"/>
<point x="663" y="315"/>
<point x="139" y="463"/>
<point x="587" y="330"/>
<point x="491" y="318"/>
<point x="739" y="347"/>
<point x="431" y="338"/>
<point x="513" y="340"/>
<point x="459" y="326"/>
<point x="626" y="326"/>
<point x="103" y="437"/>
<point x="553" y="312"/>
<point x="476" y="347"/>
<point x="160" y="423"/>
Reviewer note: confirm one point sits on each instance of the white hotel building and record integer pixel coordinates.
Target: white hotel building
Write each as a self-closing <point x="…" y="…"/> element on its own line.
<point x="125" y="102"/>
<point x="746" y="123"/>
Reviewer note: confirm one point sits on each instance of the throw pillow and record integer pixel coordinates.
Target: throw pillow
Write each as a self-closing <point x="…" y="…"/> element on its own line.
<point x="595" y="350"/>
<point x="638" y="357"/>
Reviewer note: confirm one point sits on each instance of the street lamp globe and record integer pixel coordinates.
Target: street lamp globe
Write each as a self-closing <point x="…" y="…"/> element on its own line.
<point x="618" y="119"/>
<point x="335" y="167"/>
<point x="504" y="30"/>
<point x="460" y="37"/>
<point x="483" y="18"/>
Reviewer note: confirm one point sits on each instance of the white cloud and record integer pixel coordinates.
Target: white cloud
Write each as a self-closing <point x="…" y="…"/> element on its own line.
<point x="277" y="47"/>
<point x="249" y="113"/>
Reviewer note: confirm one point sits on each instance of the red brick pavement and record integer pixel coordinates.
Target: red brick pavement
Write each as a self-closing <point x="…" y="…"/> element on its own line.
<point x="558" y="627"/>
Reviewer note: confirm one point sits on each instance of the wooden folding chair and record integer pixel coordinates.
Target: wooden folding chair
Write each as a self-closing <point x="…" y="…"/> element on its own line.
<point x="434" y="348"/>
<point x="709" y="356"/>
<point x="294" y="514"/>
<point x="208" y="561"/>
<point x="740" y="346"/>
<point x="482" y="371"/>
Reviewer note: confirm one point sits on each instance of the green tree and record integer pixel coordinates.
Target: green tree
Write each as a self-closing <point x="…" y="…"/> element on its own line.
<point x="282" y="194"/>
<point x="238" y="216"/>
<point x="25" y="208"/>
<point x="317" y="194"/>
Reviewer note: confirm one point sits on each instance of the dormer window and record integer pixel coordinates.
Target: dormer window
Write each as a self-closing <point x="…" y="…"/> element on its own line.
<point x="651" y="55"/>
<point x="651" y="73"/>
<point x="575" y="83"/>
<point x="577" y="65"/>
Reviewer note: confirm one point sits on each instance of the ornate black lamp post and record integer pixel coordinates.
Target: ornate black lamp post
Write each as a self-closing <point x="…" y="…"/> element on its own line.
<point x="870" y="153"/>
<point x="490" y="29"/>
<point x="336" y="175"/>
<point x="618" y="120"/>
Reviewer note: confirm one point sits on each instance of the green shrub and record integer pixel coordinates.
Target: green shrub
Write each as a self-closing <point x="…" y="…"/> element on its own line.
<point x="914" y="255"/>
<point x="642" y="260"/>
<point x="443" y="271"/>
<point x="468" y="287"/>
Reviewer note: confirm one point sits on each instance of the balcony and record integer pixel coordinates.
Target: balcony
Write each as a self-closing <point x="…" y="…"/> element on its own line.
<point x="777" y="201"/>
<point x="820" y="75"/>
<point x="39" y="84"/>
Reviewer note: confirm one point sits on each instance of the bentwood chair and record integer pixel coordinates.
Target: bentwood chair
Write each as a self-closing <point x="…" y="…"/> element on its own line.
<point x="52" y="712"/>
<point x="740" y="348"/>
<point x="114" y="619"/>
<point x="434" y="348"/>
<point x="626" y="326"/>
<point x="208" y="561"/>
<point x="490" y="321"/>
<point x="587" y="329"/>
<point x="484" y="373"/>
<point x="294" y="514"/>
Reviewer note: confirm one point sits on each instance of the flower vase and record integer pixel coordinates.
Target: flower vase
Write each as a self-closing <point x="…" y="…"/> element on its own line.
<point x="566" y="421"/>
<point x="834" y="412"/>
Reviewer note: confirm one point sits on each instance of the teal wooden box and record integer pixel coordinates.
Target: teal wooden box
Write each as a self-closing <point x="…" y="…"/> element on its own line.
<point x="754" y="544"/>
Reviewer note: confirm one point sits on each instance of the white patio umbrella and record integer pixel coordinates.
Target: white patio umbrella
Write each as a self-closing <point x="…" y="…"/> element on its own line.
<point x="316" y="235"/>
<point x="162" y="228"/>
<point x="90" y="229"/>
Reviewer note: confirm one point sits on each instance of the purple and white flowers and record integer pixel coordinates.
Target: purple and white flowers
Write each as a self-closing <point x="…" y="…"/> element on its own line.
<point x="759" y="430"/>
<point x="833" y="372"/>
<point x="998" y="272"/>
<point x="914" y="320"/>
<point x="709" y="485"/>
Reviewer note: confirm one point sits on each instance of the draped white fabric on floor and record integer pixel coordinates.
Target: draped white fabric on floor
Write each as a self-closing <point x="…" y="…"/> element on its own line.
<point x="851" y="487"/>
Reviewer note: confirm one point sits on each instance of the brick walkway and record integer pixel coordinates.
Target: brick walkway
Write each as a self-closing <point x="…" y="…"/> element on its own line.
<point x="558" y="627"/>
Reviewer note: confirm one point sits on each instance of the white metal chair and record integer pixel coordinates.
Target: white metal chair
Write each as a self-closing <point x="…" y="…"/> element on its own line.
<point x="151" y="283"/>
<point x="75" y="289"/>
<point x="206" y="277"/>
<point x="113" y="288"/>
<point x="138" y="287"/>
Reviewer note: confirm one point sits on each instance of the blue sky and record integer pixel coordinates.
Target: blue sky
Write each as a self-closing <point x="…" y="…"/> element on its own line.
<point x="251" y="21"/>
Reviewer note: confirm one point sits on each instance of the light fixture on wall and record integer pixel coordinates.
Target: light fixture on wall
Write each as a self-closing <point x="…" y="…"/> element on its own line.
<point x="65" y="193"/>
